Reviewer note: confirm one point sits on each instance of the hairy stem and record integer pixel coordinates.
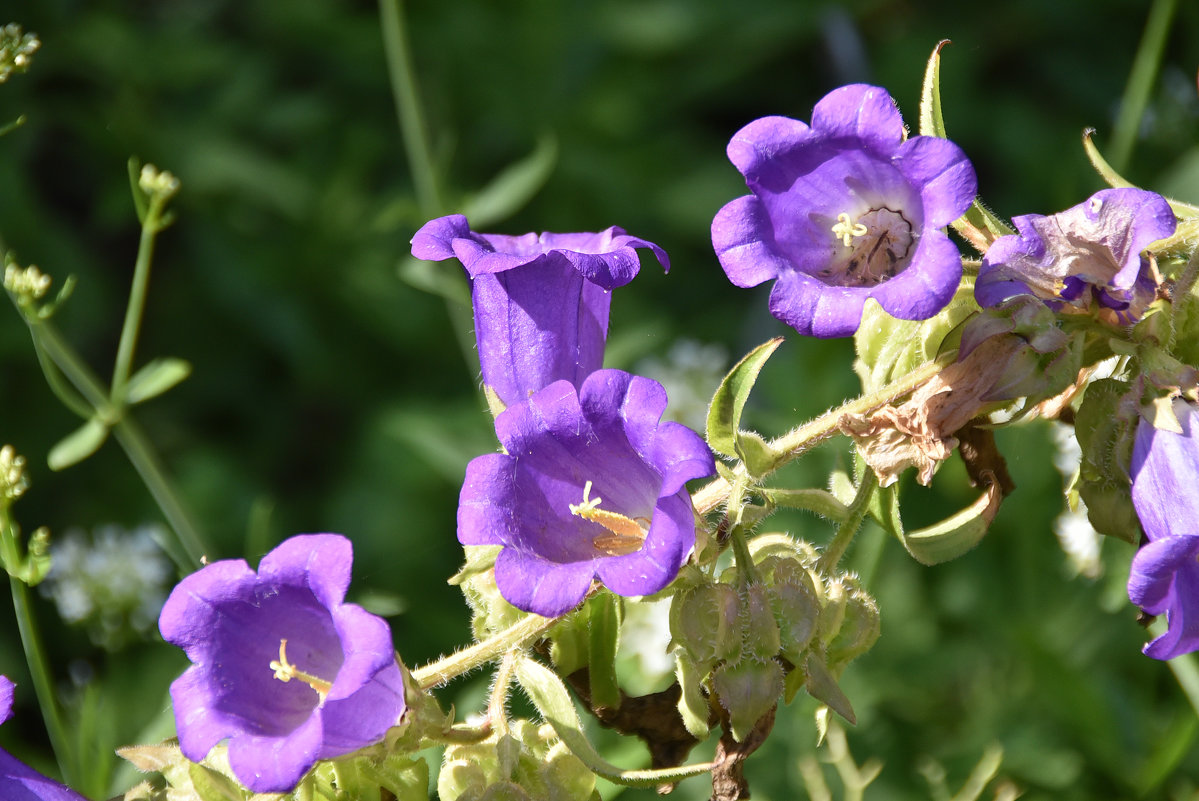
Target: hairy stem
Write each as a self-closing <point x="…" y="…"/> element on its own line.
<point x="518" y="635"/>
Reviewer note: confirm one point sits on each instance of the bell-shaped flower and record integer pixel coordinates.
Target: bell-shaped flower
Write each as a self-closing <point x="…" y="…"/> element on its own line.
<point x="1092" y="252"/>
<point x="844" y="210"/>
<point x="18" y="781"/>
<point x="1165" y="492"/>
<point x="591" y="484"/>
<point x="282" y="667"/>
<point x="540" y="300"/>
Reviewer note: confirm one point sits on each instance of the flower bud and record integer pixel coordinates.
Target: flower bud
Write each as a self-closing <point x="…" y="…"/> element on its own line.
<point x="704" y="621"/>
<point x="747" y="691"/>
<point x="859" y="630"/>
<point x="793" y="599"/>
<point x="759" y="631"/>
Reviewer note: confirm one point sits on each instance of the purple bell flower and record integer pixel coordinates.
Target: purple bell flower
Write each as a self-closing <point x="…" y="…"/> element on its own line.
<point x="282" y="668"/>
<point x="540" y="300"/>
<point x="1091" y="252"/>
<point x="591" y="484"/>
<point x="18" y="781"/>
<point x="844" y="210"/>
<point x="1165" y="493"/>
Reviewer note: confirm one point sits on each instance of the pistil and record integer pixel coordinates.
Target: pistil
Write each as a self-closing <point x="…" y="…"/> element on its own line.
<point x="285" y="672"/>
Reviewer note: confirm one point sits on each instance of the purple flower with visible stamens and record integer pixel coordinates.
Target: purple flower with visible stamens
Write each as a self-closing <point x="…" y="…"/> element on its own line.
<point x="283" y="668"/>
<point x="844" y="210"/>
<point x="591" y="484"/>
<point x="18" y="781"/>
<point x="540" y="300"/>
<point x="1094" y="251"/>
<point x="1165" y="493"/>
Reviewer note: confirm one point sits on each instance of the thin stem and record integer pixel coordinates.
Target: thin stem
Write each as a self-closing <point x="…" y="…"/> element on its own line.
<point x="497" y="704"/>
<point x="1182" y="288"/>
<point x="853" y="521"/>
<point x="137" y="448"/>
<point x="408" y="107"/>
<point x="519" y="634"/>
<point x="35" y="657"/>
<point x="800" y="439"/>
<point x="151" y="225"/>
<point x="1140" y="82"/>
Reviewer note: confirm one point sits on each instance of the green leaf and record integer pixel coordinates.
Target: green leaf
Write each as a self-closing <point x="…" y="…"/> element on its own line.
<point x="957" y="533"/>
<point x="724" y="415"/>
<point x="434" y="278"/>
<point x="549" y="695"/>
<point x="78" y="445"/>
<point x="514" y="186"/>
<point x="604" y="634"/>
<point x="211" y="785"/>
<point x="1105" y="426"/>
<point x="822" y="686"/>
<point x="931" y="121"/>
<point x="156" y="378"/>
<point x="757" y="455"/>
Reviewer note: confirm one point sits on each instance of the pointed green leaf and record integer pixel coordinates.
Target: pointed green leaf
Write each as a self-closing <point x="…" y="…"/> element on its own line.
<point x="604" y="639"/>
<point x="957" y="533"/>
<point x="753" y="450"/>
<point x="822" y="686"/>
<point x="210" y="785"/>
<point x="549" y="695"/>
<point x="78" y="445"/>
<point x="931" y="121"/>
<point x="724" y="415"/>
<point x="514" y="186"/>
<point x="156" y="378"/>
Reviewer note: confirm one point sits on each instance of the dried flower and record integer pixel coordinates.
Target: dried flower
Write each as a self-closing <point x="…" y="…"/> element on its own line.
<point x="844" y="210"/>
<point x="1092" y="252"/>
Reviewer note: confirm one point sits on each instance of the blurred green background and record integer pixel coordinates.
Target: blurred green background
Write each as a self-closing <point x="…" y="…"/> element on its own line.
<point x="331" y="392"/>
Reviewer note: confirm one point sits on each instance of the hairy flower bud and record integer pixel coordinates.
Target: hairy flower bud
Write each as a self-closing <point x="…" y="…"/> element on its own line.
<point x="859" y="630"/>
<point x="747" y="690"/>
<point x="759" y="630"/>
<point x="704" y="622"/>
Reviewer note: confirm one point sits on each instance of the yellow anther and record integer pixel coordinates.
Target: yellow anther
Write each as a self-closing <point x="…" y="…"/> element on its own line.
<point x="627" y="535"/>
<point x="847" y="230"/>
<point x="285" y="672"/>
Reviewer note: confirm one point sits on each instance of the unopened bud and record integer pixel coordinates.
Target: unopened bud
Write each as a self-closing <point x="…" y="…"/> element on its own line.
<point x="13" y="481"/>
<point x="704" y="621"/>
<point x="759" y="630"/>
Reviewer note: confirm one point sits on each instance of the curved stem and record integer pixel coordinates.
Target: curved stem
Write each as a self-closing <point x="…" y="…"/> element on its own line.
<point x="517" y="635"/>
<point x="853" y="521"/>
<point x="799" y="439"/>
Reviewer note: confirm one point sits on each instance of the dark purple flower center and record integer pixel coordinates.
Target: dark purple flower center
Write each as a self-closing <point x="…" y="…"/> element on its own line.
<point x="868" y="249"/>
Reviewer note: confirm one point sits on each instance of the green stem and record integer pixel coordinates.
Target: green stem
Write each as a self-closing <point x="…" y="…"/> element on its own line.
<point x="35" y="656"/>
<point x="1182" y="288"/>
<point x="151" y="225"/>
<point x="800" y="439"/>
<point x="137" y="448"/>
<point x="497" y="704"/>
<point x="408" y="107"/>
<point x="519" y="634"/>
<point x="1140" y="82"/>
<point x="853" y="521"/>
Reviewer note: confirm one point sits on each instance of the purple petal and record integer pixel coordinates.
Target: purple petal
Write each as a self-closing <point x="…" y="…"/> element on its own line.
<point x="487" y="499"/>
<point x="320" y="562"/>
<point x="1151" y="580"/>
<point x="6" y="697"/>
<point x="681" y="455"/>
<point x="276" y="764"/>
<point x="945" y="174"/>
<point x="669" y="541"/>
<point x="815" y="309"/>
<point x="539" y="586"/>
<point x="920" y="294"/>
<point x="199" y="721"/>
<point x="193" y="607"/>
<point x="742" y="237"/>
<point x="1165" y="473"/>
<point x="756" y="148"/>
<point x="368" y="713"/>
<point x="860" y="111"/>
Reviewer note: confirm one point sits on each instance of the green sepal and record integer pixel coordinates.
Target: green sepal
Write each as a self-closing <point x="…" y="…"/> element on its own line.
<point x="513" y="186"/>
<point x="156" y="378"/>
<point x="889" y="348"/>
<point x="210" y="785"/>
<point x="724" y="413"/>
<point x="978" y="225"/>
<point x="1105" y="426"/>
<point x="693" y="705"/>
<point x="822" y="685"/>
<point x="795" y="681"/>
<point x="884" y="509"/>
<point x="604" y="640"/>
<point x="747" y="691"/>
<point x="78" y="445"/>
<point x="956" y="534"/>
<point x="549" y="695"/>
<point x="756" y="453"/>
